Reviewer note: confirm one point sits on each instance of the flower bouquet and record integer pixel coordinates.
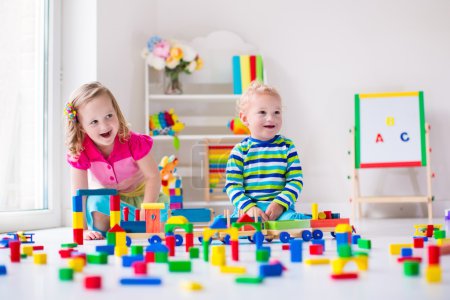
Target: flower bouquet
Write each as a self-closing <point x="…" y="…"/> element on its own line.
<point x="174" y="58"/>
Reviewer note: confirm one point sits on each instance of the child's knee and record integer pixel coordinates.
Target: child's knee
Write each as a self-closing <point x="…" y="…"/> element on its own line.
<point x="101" y="221"/>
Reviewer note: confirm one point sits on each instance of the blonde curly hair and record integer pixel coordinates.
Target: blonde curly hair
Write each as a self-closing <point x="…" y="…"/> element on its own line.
<point x="255" y="88"/>
<point x="83" y="95"/>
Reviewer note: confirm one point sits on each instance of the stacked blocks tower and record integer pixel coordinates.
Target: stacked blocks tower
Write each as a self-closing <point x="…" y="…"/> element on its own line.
<point x="171" y="185"/>
<point x="433" y="271"/>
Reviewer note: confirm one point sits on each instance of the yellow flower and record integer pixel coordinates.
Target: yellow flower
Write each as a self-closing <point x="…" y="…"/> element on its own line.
<point x="176" y="53"/>
<point x="172" y="62"/>
<point x="199" y="64"/>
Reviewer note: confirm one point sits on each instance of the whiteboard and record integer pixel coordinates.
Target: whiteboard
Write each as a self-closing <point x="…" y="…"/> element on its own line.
<point x="389" y="130"/>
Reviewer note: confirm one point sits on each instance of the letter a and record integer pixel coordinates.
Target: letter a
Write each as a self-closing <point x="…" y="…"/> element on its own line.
<point x="379" y="139"/>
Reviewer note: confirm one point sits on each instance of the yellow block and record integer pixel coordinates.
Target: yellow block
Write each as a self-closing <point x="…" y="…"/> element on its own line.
<point x="121" y="239"/>
<point x="343" y="228"/>
<point x="322" y="216"/>
<point x="317" y="261"/>
<point x="338" y="264"/>
<point x="395" y="249"/>
<point x="40" y="258"/>
<point x="177" y="220"/>
<point x="191" y="286"/>
<point x="433" y="273"/>
<point x="315" y="211"/>
<point x="421" y="229"/>
<point x="120" y="251"/>
<point x="114" y="218"/>
<point x="218" y="257"/>
<point x="77" y="264"/>
<point x="178" y="192"/>
<point x="158" y="205"/>
<point x="441" y="242"/>
<point x="28" y="250"/>
<point x="233" y="269"/>
<point x="77" y="220"/>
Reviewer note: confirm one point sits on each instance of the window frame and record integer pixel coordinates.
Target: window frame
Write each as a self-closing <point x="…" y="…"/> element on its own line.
<point x="50" y="215"/>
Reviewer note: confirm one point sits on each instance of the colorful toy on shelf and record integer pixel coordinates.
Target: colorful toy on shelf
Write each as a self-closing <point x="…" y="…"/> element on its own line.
<point x="171" y="182"/>
<point x="237" y="127"/>
<point x="166" y="123"/>
<point x="217" y="157"/>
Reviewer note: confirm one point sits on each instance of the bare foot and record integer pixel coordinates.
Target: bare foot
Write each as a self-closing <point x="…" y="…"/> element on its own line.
<point x="92" y="235"/>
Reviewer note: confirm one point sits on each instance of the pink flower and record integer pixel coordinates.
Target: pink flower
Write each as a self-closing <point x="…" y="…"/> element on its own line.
<point x="161" y="49"/>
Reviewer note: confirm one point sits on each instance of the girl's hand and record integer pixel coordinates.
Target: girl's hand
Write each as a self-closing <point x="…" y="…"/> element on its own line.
<point x="274" y="211"/>
<point x="92" y="235"/>
<point x="255" y="211"/>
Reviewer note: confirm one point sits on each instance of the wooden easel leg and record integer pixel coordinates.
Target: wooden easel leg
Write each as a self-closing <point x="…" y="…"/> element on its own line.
<point x="430" y="211"/>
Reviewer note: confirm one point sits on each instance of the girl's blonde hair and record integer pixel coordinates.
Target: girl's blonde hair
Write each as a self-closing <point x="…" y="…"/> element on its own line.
<point x="83" y="95"/>
<point x="255" y="88"/>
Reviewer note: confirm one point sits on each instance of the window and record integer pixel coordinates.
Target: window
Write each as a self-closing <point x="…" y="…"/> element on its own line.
<point x="25" y="96"/>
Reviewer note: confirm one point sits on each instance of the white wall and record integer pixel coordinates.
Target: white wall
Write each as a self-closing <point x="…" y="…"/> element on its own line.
<point x="318" y="54"/>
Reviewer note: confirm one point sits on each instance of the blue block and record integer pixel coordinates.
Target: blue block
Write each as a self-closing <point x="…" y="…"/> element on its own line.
<point x="355" y="239"/>
<point x="219" y="223"/>
<point x="266" y="249"/>
<point x="335" y="215"/>
<point x="176" y="199"/>
<point x="194" y="215"/>
<point x="296" y="250"/>
<point x="342" y="238"/>
<point x="77" y="203"/>
<point x="2" y="270"/>
<point x="178" y="183"/>
<point x="319" y="242"/>
<point x="105" y="249"/>
<point x="141" y="281"/>
<point x="157" y="247"/>
<point x="128" y="260"/>
<point x="133" y="226"/>
<point x="407" y="252"/>
<point x="96" y="192"/>
<point x="271" y="270"/>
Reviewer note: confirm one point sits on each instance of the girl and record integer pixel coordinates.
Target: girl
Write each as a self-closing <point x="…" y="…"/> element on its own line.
<point x="99" y="141"/>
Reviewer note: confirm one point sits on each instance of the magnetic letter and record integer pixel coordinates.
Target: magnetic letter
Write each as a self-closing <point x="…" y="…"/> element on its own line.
<point x="390" y="121"/>
<point x="404" y="136"/>
<point x="379" y="139"/>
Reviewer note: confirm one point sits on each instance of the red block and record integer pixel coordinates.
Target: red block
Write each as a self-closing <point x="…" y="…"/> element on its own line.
<point x="189" y="241"/>
<point x="411" y="258"/>
<point x="149" y="257"/>
<point x="170" y="243"/>
<point x="434" y="253"/>
<point x="430" y="229"/>
<point x="114" y="203"/>
<point x="137" y="215"/>
<point x="328" y="214"/>
<point x="285" y="247"/>
<point x="345" y="276"/>
<point x="126" y="213"/>
<point x="14" y="247"/>
<point x="418" y="242"/>
<point x="140" y="268"/>
<point x="78" y="236"/>
<point x="93" y="282"/>
<point x="234" y="250"/>
<point x="316" y="249"/>
<point x="66" y="253"/>
<point x="35" y="248"/>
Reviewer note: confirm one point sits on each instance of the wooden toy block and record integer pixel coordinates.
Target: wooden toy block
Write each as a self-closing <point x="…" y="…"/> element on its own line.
<point x="121" y="238"/>
<point x="114" y="218"/>
<point x="149" y="257"/>
<point x="77" y="220"/>
<point x="319" y="242"/>
<point x="418" y="242"/>
<point x="315" y="249"/>
<point x="249" y="280"/>
<point x="80" y="255"/>
<point x="66" y="253"/>
<point x="394" y="249"/>
<point x="317" y="261"/>
<point x="327" y="214"/>
<point x="194" y="252"/>
<point x="430" y="229"/>
<point x="331" y="223"/>
<point x="344" y="276"/>
<point x="14" y="248"/>
<point x="191" y="286"/>
<point x="3" y="270"/>
<point x="271" y="270"/>
<point x="137" y="250"/>
<point x="233" y="269"/>
<point x="77" y="203"/>
<point x="439" y="234"/>
<point x="315" y="211"/>
<point x="343" y="228"/>
<point x="338" y="264"/>
<point x="78" y="236"/>
<point x="406" y="252"/>
<point x="335" y="215"/>
<point x="218" y="257"/>
<point x="296" y="250"/>
<point x="434" y="253"/>
<point x="128" y="260"/>
<point x="76" y="263"/>
<point x="262" y="255"/>
<point x="140" y="267"/>
<point x="342" y="238"/>
<point x="180" y="266"/>
<point x="287" y="224"/>
<point x="444" y="241"/>
<point x="40" y="258"/>
<point x="96" y="192"/>
<point x="433" y="273"/>
<point x="65" y="274"/>
<point x="364" y="244"/>
<point x="27" y="250"/>
<point x="141" y="281"/>
<point x="120" y="251"/>
<point x="355" y="239"/>
<point x="161" y="257"/>
<point x="152" y="220"/>
<point x="344" y="251"/>
<point x="170" y="243"/>
<point x="97" y="258"/>
<point x="235" y="250"/>
<point x="93" y="282"/>
<point x="157" y="206"/>
<point x="285" y="247"/>
<point x="69" y="245"/>
<point x="133" y="226"/>
<point x="111" y="238"/>
<point x="321" y="216"/>
<point x="411" y="268"/>
<point x="411" y="258"/>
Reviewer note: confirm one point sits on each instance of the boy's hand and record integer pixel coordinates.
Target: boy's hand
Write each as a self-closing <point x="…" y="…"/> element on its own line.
<point x="255" y="211"/>
<point x="274" y="211"/>
<point x="92" y="235"/>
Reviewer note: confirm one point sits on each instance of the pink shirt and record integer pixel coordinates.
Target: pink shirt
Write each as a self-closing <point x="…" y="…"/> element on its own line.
<point x="120" y="170"/>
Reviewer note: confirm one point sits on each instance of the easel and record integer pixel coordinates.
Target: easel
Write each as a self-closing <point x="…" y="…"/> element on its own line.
<point x="357" y="199"/>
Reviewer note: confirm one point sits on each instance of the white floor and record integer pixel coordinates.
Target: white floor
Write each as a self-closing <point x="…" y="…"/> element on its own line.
<point x="384" y="279"/>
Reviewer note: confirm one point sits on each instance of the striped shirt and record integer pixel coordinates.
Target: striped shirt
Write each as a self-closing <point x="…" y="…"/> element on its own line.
<point x="263" y="171"/>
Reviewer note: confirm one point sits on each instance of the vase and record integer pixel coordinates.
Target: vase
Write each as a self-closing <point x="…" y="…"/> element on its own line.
<point x="172" y="84"/>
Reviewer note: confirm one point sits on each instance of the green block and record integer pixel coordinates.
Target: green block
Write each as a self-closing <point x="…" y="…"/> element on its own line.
<point x="262" y="255"/>
<point x="137" y="250"/>
<point x="249" y="280"/>
<point x="69" y="245"/>
<point x="23" y="255"/>
<point x="364" y="244"/>
<point x="205" y="250"/>
<point x="194" y="252"/>
<point x="161" y="257"/>
<point x="344" y="251"/>
<point x="360" y="253"/>
<point x="180" y="266"/>
<point x="99" y="258"/>
<point x="287" y="224"/>
<point x="66" y="274"/>
<point x="110" y="238"/>
<point x="411" y="268"/>
<point x="439" y="234"/>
